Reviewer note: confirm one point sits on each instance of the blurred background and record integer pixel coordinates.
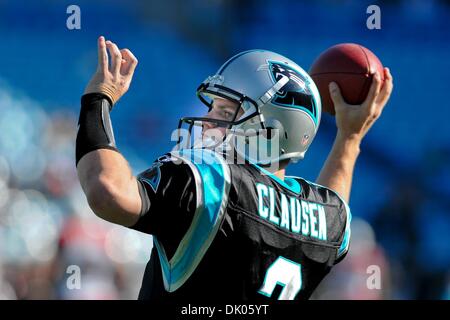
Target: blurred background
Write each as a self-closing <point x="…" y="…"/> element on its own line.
<point x="401" y="191"/>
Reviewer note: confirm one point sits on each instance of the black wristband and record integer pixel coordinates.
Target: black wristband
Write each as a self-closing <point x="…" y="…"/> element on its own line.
<point x="94" y="125"/>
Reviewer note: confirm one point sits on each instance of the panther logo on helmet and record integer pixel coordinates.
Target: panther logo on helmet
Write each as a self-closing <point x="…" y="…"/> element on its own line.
<point x="296" y="92"/>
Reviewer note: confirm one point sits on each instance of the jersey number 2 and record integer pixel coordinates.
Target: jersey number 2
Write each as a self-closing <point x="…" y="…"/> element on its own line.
<point x="284" y="272"/>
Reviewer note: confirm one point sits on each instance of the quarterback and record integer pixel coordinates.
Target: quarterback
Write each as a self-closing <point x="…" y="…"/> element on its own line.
<point x="227" y="223"/>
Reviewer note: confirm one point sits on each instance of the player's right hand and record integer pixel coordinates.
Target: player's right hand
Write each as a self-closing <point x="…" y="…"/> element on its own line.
<point x="354" y="121"/>
<point x="112" y="79"/>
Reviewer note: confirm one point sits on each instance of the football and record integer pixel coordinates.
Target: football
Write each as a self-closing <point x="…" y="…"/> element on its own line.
<point x="351" y="66"/>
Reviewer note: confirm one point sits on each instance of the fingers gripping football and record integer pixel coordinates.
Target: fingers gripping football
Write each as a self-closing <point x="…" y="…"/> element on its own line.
<point x="114" y="72"/>
<point x="356" y="120"/>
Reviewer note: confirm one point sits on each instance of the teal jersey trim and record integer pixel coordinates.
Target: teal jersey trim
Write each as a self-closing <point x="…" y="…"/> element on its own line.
<point x="289" y="183"/>
<point x="156" y="178"/>
<point x="212" y="177"/>
<point x="346" y="241"/>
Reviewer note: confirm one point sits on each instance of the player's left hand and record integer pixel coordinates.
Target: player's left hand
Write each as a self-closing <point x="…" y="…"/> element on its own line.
<point x="115" y="79"/>
<point x="354" y="121"/>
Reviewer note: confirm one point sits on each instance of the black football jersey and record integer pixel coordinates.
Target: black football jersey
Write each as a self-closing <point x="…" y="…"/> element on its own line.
<point x="235" y="231"/>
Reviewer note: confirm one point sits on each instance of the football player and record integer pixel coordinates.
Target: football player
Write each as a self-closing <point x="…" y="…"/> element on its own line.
<point x="227" y="229"/>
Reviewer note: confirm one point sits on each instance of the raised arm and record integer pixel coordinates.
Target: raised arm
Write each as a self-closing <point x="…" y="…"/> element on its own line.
<point x="353" y="122"/>
<point x="105" y="176"/>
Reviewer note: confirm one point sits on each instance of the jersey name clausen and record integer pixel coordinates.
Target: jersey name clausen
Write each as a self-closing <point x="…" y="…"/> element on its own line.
<point x="298" y="216"/>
